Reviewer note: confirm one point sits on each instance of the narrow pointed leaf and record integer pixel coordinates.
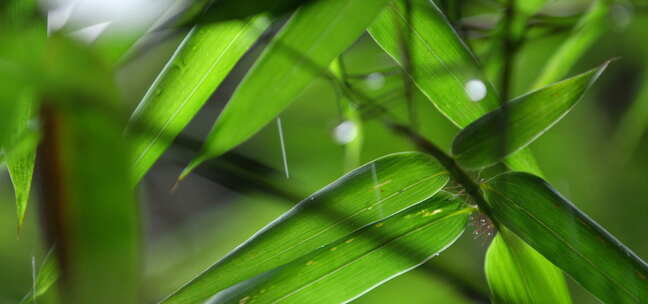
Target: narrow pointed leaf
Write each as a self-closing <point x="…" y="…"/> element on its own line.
<point x="364" y="195"/>
<point x="47" y="275"/>
<point x="552" y="225"/>
<point x="589" y="28"/>
<point x="201" y="62"/>
<point x="511" y="266"/>
<point x="351" y="266"/>
<point x="21" y="156"/>
<point x="314" y="36"/>
<point x="525" y="119"/>
<point x="443" y="66"/>
<point x="231" y="9"/>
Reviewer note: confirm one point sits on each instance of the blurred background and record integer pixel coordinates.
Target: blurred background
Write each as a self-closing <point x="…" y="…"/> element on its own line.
<point x="597" y="156"/>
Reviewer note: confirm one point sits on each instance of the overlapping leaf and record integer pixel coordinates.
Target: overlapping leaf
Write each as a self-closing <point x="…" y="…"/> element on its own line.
<point x="89" y="203"/>
<point x="48" y="274"/>
<point x="314" y="36"/>
<point x="443" y="66"/>
<point x="364" y="195"/>
<point x="377" y="252"/>
<point x="589" y="28"/>
<point x="525" y="119"/>
<point x="201" y="62"/>
<point x="551" y="224"/>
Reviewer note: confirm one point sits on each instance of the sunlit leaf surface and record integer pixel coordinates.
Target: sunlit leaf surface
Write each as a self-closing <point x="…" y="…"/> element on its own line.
<point x="551" y="224"/>
<point x="207" y="54"/>
<point x="303" y="49"/>
<point x="379" y="252"/>
<point x="526" y="118"/>
<point x="364" y="195"/>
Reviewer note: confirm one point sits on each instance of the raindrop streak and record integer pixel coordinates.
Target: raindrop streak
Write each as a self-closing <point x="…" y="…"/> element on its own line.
<point x="345" y="132"/>
<point x="33" y="262"/>
<point x="375" y="81"/>
<point x="374" y="175"/>
<point x="283" y="147"/>
<point x="475" y="89"/>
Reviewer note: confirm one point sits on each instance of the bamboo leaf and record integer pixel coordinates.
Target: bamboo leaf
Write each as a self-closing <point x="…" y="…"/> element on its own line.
<point x="633" y="124"/>
<point x="232" y="9"/>
<point x="21" y="158"/>
<point x="567" y="237"/>
<point x="314" y="36"/>
<point x="589" y="28"/>
<point x="443" y="68"/>
<point x="525" y="118"/>
<point x="517" y="273"/>
<point x="364" y="195"/>
<point x="87" y="195"/>
<point x="443" y="65"/>
<point x="48" y="274"/>
<point x="379" y="251"/>
<point x="207" y="54"/>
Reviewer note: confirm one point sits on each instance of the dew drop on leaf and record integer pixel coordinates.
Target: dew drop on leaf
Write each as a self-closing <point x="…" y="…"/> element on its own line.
<point x="475" y="89"/>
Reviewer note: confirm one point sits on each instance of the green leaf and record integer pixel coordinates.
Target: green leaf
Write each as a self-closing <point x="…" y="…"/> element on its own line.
<point x="517" y="274"/>
<point x="589" y="28"/>
<point x="201" y="62"/>
<point x="567" y="237"/>
<point x="351" y="266"/>
<point x="314" y="36"/>
<point x="85" y="174"/>
<point x="48" y="274"/>
<point x="21" y="157"/>
<point x="524" y="119"/>
<point x="633" y="124"/>
<point x="443" y="65"/>
<point x="364" y="195"/>
<point x="232" y="9"/>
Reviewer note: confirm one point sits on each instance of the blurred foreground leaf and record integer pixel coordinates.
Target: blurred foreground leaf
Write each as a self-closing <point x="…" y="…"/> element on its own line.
<point x="525" y="118"/>
<point x="351" y="266"/>
<point x="201" y="62"/>
<point x="88" y="202"/>
<point x="48" y="274"/>
<point x="303" y="49"/>
<point x="570" y="239"/>
<point x="364" y="195"/>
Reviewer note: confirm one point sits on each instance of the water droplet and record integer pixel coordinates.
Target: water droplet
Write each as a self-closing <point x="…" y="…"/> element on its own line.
<point x="375" y="81"/>
<point x="475" y="89"/>
<point x="345" y="132"/>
